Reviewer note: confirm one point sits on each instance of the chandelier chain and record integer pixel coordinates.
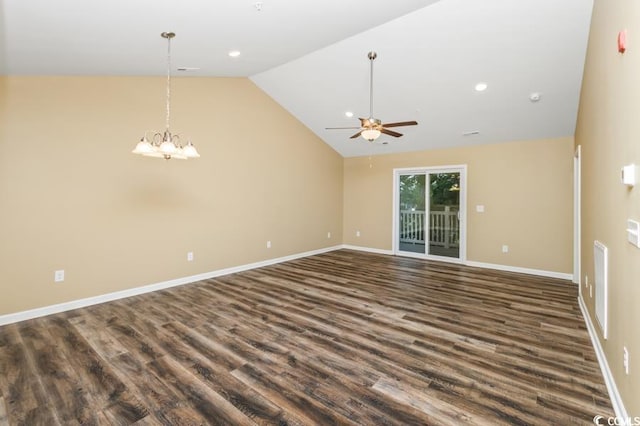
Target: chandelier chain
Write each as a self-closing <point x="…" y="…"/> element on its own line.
<point x="168" y="80"/>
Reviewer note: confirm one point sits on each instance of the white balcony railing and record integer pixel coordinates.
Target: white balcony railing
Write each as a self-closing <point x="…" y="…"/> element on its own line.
<point x="444" y="227"/>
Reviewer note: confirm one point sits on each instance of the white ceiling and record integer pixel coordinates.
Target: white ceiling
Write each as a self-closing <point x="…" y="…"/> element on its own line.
<point x="311" y="57"/>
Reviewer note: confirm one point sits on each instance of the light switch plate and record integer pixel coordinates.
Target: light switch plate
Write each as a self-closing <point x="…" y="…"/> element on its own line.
<point x="630" y="174"/>
<point x="633" y="232"/>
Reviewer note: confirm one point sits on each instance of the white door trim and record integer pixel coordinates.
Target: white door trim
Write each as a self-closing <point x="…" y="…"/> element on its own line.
<point x="459" y="168"/>
<point x="577" y="189"/>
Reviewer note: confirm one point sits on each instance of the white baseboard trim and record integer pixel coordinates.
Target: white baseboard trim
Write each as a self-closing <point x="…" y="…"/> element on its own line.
<point x="367" y="249"/>
<point x="81" y="303"/>
<point x="539" y="272"/>
<point x="614" y="395"/>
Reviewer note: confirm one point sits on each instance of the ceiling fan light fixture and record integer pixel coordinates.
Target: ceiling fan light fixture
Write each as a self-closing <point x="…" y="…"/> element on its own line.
<point x="371" y="134"/>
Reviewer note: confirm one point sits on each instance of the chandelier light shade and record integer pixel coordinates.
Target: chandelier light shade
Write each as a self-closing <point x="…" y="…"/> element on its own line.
<point x="164" y="144"/>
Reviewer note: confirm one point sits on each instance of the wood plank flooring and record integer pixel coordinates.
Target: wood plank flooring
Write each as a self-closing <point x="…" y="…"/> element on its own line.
<point x="339" y="338"/>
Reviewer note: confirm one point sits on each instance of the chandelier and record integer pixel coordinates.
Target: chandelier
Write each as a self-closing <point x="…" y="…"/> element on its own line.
<point x="164" y="144"/>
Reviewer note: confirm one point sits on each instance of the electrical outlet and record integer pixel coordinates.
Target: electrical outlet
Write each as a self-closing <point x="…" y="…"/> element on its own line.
<point x="328" y="235"/>
<point x="505" y="248"/>
<point x="357" y="233"/>
<point x="625" y="360"/>
<point x="268" y="244"/>
<point x="190" y="256"/>
<point x="58" y="276"/>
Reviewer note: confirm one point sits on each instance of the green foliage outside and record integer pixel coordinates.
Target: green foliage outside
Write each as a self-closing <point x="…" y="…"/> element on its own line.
<point x="444" y="190"/>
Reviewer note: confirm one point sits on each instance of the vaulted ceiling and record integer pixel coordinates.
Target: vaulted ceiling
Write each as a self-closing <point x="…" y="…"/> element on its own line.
<point x="311" y="57"/>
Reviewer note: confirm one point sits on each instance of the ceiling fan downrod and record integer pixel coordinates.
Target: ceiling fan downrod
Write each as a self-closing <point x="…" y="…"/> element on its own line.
<point x="372" y="56"/>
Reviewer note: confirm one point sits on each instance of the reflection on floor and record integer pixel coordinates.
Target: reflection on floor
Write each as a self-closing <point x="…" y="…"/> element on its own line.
<point x="433" y="249"/>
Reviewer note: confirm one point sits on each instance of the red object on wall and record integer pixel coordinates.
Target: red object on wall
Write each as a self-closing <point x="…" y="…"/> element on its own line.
<point x="622" y="41"/>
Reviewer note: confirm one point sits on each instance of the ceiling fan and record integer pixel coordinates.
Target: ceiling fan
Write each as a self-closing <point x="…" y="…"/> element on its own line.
<point x="371" y="128"/>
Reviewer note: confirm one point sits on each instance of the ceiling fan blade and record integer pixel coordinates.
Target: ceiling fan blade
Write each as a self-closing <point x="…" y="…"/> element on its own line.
<point x="390" y="132"/>
<point x="335" y="128"/>
<point x="356" y="135"/>
<point x="401" y="123"/>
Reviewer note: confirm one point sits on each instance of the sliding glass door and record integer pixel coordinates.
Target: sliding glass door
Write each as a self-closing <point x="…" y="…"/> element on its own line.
<point x="429" y="212"/>
<point x="444" y="214"/>
<point x="412" y="209"/>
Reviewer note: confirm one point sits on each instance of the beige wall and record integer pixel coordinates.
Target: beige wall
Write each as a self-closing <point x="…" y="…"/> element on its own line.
<point x="609" y="136"/>
<point x="73" y="197"/>
<point x="526" y="188"/>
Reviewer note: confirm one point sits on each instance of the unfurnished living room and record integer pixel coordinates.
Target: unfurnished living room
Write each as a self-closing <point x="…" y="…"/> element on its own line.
<point x="418" y="212"/>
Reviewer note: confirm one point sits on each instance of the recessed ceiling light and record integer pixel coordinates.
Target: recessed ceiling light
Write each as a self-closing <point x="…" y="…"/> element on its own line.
<point x="534" y="97"/>
<point x="481" y="87"/>
<point x="234" y="53"/>
<point x="348" y="114"/>
<point x="471" y="133"/>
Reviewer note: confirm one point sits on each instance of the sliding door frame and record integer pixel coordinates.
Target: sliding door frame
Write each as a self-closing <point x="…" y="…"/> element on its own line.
<point x="460" y="168"/>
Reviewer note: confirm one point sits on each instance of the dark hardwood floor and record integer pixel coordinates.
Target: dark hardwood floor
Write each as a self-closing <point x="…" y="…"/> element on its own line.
<point x="339" y="338"/>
